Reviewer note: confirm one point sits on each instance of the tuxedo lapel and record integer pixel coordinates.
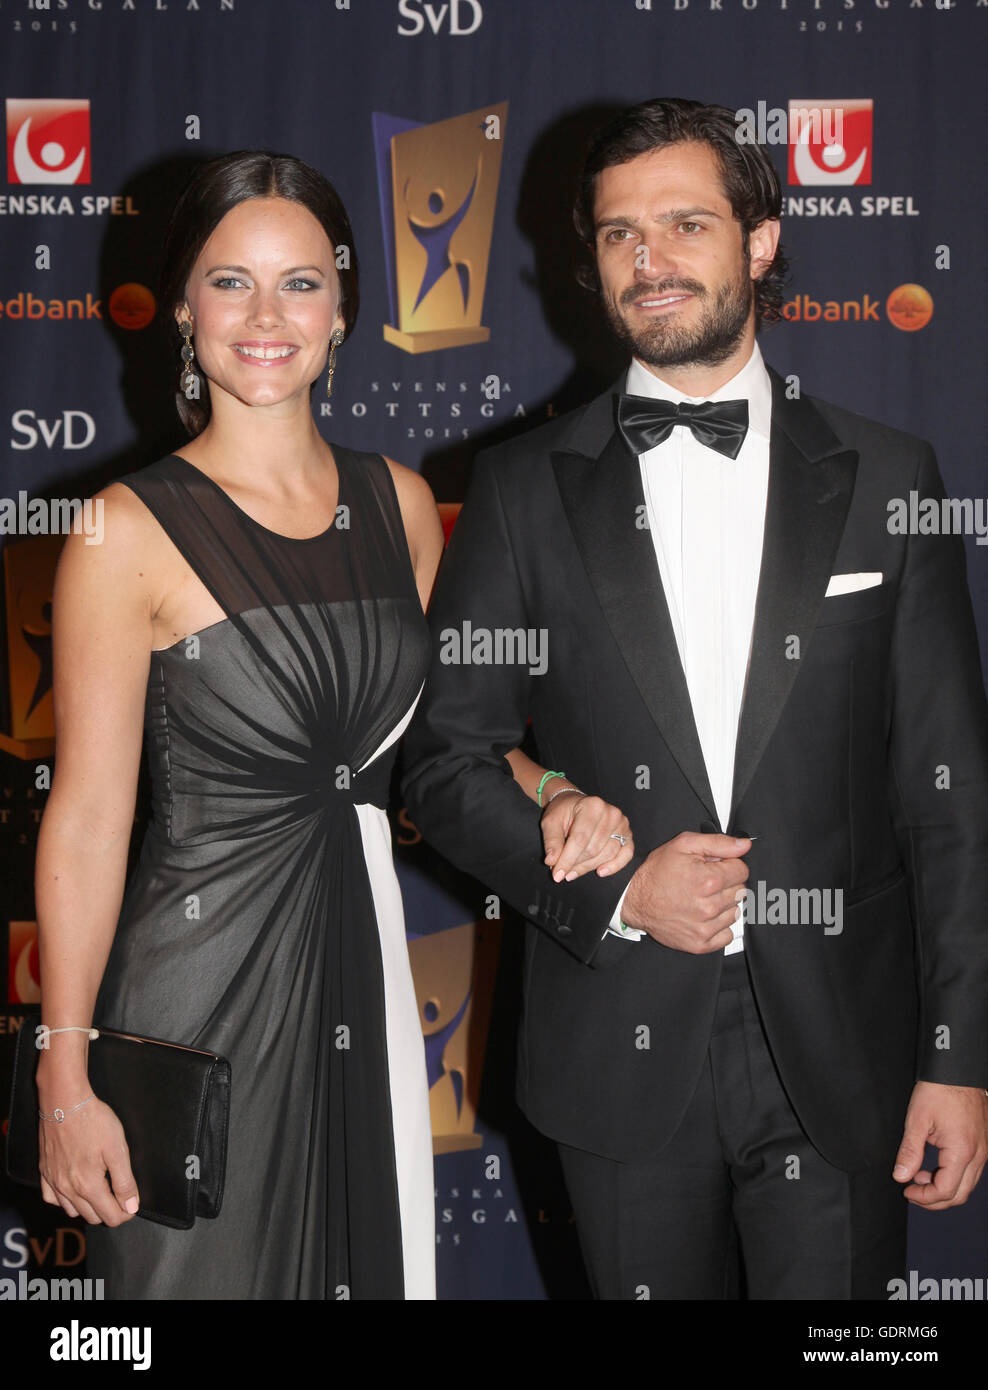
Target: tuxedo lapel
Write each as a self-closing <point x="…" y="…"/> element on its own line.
<point x="600" y="485"/>
<point x="811" y="479"/>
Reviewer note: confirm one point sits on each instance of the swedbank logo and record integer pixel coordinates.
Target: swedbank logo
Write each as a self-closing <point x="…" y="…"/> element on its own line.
<point x="909" y="307"/>
<point x="132" y="306"/>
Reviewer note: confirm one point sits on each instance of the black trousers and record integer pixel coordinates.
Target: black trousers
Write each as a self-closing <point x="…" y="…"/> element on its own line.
<point x="738" y="1203"/>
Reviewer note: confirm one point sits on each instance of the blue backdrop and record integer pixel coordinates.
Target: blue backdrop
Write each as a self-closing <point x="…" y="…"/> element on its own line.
<point x="107" y="106"/>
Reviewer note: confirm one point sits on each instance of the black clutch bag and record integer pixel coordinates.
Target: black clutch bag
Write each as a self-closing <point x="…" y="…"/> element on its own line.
<point x="173" y="1103"/>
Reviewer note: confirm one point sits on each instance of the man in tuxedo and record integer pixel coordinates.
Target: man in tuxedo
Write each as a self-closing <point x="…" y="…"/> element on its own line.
<point x="781" y="998"/>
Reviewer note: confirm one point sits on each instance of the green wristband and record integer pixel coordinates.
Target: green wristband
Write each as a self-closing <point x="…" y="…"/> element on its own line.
<point x="546" y="777"/>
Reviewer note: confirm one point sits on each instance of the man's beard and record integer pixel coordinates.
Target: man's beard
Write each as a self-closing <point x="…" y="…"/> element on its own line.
<point x="664" y="343"/>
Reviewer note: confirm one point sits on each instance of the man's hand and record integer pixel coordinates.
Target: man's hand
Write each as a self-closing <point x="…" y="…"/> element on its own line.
<point x="954" y="1119"/>
<point x="578" y="834"/>
<point x="686" y="893"/>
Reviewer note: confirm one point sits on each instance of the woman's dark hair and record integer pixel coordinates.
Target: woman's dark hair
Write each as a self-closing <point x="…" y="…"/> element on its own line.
<point x="217" y="186"/>
<point x="750" y="181"/>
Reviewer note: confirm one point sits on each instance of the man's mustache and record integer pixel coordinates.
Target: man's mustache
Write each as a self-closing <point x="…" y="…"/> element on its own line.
<point x="661" y="287"/>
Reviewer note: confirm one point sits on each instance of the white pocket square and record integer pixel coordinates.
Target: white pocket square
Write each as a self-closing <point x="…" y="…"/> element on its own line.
<point x="850" y="583"/>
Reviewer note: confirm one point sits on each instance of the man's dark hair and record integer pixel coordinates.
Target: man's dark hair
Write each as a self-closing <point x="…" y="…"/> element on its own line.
<point x="750" y="181"/>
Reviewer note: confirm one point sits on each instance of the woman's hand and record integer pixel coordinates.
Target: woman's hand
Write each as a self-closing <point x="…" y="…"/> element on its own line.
<point x="579" y="832"/>
<point x="74" y="1158"/>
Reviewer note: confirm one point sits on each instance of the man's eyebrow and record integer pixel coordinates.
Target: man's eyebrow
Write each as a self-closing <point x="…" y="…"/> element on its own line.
<point x="673" y="215"/>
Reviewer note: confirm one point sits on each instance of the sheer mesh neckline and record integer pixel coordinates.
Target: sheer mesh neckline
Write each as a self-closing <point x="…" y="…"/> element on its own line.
<point x="289" y="540"/>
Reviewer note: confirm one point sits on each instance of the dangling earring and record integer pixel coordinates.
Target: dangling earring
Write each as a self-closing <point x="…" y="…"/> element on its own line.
<point x="188" y="381"/>
<point x="334" y="342"/>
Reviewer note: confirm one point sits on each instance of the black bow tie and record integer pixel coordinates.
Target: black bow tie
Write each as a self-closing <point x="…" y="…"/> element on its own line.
<point x="645" y="422"/>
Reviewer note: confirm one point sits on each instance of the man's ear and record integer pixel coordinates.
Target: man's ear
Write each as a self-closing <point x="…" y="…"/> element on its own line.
<point x="763" y="242"/>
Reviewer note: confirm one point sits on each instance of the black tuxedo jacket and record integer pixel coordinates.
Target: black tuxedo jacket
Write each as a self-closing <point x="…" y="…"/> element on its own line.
<point x="858" y="711"/>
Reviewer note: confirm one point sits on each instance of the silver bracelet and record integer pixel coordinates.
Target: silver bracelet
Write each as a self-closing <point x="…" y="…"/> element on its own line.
<point x="43" y="1028"/>
<point x="561" y="792"/>
<point x="59" y="1115"/>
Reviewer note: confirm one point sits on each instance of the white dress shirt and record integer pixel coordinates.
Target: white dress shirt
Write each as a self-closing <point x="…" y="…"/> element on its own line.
<point x="706" y="515"/>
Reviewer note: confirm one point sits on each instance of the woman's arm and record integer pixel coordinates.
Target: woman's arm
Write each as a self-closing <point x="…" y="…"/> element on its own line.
<point x="529" y="774"/>
<point x="101" y="635"/>
<point x="579" y="833"/>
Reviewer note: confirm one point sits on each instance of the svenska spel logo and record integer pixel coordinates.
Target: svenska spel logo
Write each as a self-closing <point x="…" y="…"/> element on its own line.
<point x="48" y="140"/>
<point x="830" y="142"/>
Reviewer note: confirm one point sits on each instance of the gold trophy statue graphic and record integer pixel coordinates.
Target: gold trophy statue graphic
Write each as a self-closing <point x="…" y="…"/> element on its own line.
<point x="438" y="187"/>
<point x="454" y="972"/>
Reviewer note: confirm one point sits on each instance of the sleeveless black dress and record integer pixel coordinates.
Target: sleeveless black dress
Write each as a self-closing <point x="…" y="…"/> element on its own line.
<point x="263" y="920"/>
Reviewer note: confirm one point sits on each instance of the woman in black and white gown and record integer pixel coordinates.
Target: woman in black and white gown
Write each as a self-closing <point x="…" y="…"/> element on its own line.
<point x="256" y="613"/>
